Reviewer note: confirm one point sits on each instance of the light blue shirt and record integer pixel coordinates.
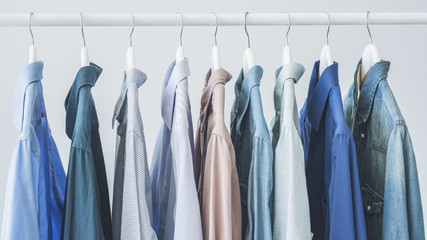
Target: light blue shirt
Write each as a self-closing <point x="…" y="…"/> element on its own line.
<point x="132" y="201"/>
<point x="36" y="183"/>
<point x="291" y="209"/>
<point x="254" y="156"/>
<point x="175" y="204"/>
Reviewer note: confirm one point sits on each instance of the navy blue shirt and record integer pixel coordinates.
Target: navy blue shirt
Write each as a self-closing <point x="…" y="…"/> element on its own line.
<point x="336" y="210"/>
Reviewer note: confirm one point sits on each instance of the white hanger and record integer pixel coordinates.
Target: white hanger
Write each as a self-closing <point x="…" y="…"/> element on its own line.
<point x="287" y="57"/>
<point x="370" y="55"/>
<point x="215" y="51"/>
<point x="130" y="54"/>
<point x="84" y="54"/>
<point x="248" y="56"/>
<point x="326" y="54"/>
<point x="32" y="54"/>
<point x="180" y="50"/>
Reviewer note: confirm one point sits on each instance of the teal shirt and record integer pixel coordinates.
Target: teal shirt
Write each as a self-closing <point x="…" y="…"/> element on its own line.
<point x="87" y="205"/>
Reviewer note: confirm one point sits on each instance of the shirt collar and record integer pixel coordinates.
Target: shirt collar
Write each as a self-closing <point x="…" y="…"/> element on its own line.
<point x="31" y="73"/>
<point x="291" y="71"/>
<point x="318" y="92"/>
<point x="177" y="71"/>
<point x="219" y="76"/>
<point x="377" y="73"/>
<point x="132" y="76"/>
<point x="86" y="76"/>
<point x="242" y="90"/>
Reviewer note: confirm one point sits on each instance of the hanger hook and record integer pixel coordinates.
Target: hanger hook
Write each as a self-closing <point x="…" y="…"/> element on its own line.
<point x="246" y="30"/>
<point x="81" y="27"/>
<point x="216" y="28"/>
<point x="29" y="26"/>
<point x="329" y="27"/>
<point x="289" y="28"/>
<point x="367" y="25"/>
<point x="182" y="29"/>
<point x="133" y="28"/>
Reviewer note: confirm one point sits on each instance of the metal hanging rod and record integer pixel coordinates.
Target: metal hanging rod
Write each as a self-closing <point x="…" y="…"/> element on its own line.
<point x="206" y="19"/>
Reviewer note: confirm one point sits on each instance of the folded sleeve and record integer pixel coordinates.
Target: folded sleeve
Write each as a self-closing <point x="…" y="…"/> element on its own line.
<point x="403" y="215"/>
<point x="345" y="208"/>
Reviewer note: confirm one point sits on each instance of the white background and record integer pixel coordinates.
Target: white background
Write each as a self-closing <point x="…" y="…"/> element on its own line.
<point x="59" y="48"/>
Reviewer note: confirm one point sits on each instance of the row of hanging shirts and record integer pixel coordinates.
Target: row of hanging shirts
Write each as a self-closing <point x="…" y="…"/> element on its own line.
<point x="370" y="54"/>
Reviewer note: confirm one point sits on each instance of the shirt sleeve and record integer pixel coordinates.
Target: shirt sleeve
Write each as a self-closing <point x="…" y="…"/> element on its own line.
<point x="260" y="189"/>
<point x="187" y="211"/>
<point x="81" y="210"/>
<point x="221" y="208"/>
<point x="291" y="209"/>
<point x="20" y="207"/>
<point x="345" y="206"/>
<point x="403" y="215"/>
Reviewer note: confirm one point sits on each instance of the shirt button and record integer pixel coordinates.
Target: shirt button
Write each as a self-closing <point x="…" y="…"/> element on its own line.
<point x="362" y="135"/>
<point x="368" y="208"/>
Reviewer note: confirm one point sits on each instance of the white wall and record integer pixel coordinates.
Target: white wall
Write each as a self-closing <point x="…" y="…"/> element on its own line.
<point x="59" y="48"/>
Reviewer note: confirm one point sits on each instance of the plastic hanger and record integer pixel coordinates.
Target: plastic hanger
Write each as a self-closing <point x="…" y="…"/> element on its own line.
<point x="130" y="54"/>
<point x="370" y="55"/>
<point x="215" y="51"/>
<point x="32" y="55"/>
<point x="180" y="50"/>
<point x="326" y="54"/>
<point x="287" y="57"/>
<point x="84" y="54"/>
<point x="248" y="56"/>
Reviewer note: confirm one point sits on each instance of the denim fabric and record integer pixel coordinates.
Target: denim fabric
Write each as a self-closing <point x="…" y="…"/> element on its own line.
<point x="336" y="209"/>
<point x="87" y="205"/>
<point x="132" y="201"/>
<point x="254" y="156"/>
<point x="386" y="160"/>
<point x="175" y="203"/>
<point x="36" y="183"/>
<point x="291" y="208"/>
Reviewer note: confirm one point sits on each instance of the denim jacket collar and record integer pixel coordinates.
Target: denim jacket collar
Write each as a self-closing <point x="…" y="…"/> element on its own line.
<point x="177" y="71"/>
<point x="242" y="89"/>
<point x="318" y="92"/>
<point x="134" y="76"/>
<point x="292" y="71"/>
<point x="86" y="76"/>
<point x="32" y="72"/>
<point x="377" y="73"/>
<point x="219" y="76"/>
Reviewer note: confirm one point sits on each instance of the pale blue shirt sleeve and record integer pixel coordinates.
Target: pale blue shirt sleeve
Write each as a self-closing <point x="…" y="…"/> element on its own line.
<point x="187" y="211"/>
<point x="261" y="186"/>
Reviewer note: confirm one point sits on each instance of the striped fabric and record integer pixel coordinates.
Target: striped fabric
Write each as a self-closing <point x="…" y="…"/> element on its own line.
<point x="132" y="199"/>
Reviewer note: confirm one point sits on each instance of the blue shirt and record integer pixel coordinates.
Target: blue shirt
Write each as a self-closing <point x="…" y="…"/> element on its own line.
<point x="175" y="203"/>
<point x="254" y="156"/>
<point x="87" y="204"/>
<point x="336" y="210"/>
<point x="386" y="159"/>
<point x="36" y="183"/>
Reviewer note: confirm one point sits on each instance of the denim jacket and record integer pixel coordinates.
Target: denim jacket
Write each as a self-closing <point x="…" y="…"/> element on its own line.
<point x="386" y="161"/>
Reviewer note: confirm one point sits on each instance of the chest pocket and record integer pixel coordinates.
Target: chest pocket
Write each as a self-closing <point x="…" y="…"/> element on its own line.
<point x="372" y="201"/>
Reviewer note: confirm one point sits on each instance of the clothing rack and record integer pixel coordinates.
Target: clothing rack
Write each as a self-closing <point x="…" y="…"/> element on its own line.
<point x="208" y="19"/>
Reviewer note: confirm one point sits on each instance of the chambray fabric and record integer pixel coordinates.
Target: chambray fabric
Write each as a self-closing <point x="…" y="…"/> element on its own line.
<point x="254" y="156"/>
<point x="291" y="208"/>
<point x="386" y="160"/>
<point x="36" y="182"/>
<point x="132" y="199"/>
<point x="336" y="209"/>
<point x="175" y="202"/>
<point x="87" y="205"/>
